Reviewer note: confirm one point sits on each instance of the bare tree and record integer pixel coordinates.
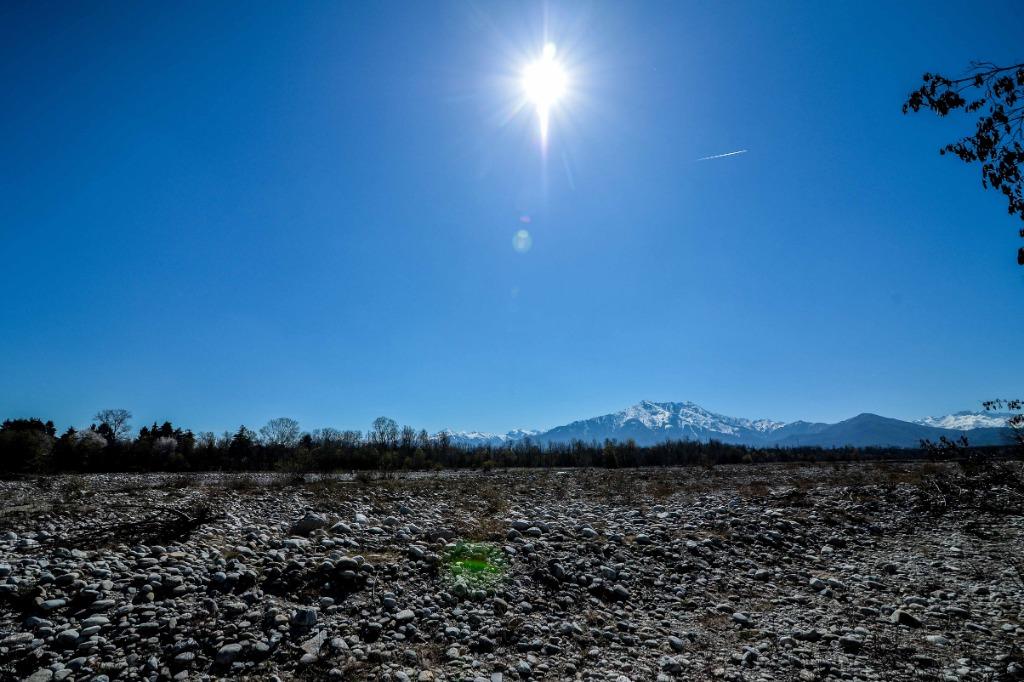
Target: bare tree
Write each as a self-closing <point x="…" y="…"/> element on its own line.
<point x="408" y="437"/>
<point x="385" y="433"/>
<point x="117" y="420"/>
<point x="327" y="436"/>
<point x="280" y="431"/>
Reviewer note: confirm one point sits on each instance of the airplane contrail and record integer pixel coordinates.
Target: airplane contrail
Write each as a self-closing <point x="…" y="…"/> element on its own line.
<point x="720" y="156"/>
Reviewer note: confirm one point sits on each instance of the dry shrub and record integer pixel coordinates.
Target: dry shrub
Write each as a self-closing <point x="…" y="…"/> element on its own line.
<point x="485" y="529"/>
<point x="242" y="483"/>
<point x="74" y="487"/>
<point x="661" y="489"/>
<point x="327" y="492"/>
<point x="886" y="650"/>
<point x="180" y="482"/>
<point x="804" y="483"/>
<point x="755" y="490"/>
<point x="983" y="485"/>
<point x="712" y="620"/>
<point x="493" y="498"/>
<point x="619" y="487"/>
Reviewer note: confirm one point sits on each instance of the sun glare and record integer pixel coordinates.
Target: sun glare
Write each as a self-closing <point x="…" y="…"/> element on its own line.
<point x="544" y="83"/>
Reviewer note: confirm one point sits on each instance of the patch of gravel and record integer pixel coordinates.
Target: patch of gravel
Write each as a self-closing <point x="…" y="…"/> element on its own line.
<point x="759" y="572"/>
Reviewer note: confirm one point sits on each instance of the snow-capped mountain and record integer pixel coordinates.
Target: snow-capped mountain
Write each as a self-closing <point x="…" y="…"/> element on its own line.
<point x="677" y="415"/>
<point x="650" y="423"/>
<point x="967" y="420"/>
<point x="476" y="438"/>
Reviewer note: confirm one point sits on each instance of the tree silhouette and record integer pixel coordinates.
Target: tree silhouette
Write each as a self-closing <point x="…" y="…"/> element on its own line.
<point x="385" y="433"/>
<point x="998" y="93"/>
<point x="25" y="444"/>
<point x="116" y="420"/>
<point x="1016" y="419"/>
<point x="280" y="431"/>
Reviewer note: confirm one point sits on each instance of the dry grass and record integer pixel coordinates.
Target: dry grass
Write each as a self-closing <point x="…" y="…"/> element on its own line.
<point x="487" y="529"/>
<point x="713" y="621"/>
<point x="754" y="490"/>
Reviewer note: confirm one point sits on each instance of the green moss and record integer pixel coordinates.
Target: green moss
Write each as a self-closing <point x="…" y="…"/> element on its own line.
<point x="478" y="564"/>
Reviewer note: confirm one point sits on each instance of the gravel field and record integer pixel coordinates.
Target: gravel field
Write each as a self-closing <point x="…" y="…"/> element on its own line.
<point x="754" y="572"/>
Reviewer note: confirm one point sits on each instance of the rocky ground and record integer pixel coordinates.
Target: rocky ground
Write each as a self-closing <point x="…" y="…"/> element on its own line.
<point x="758" y="572"/>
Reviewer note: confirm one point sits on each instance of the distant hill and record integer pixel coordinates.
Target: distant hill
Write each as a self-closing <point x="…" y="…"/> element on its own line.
<point x="866" y="430"/>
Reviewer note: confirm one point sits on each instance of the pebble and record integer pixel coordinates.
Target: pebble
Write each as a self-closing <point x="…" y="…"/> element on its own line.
<point x="905" y="618"/>
<point x="802" y="582"/>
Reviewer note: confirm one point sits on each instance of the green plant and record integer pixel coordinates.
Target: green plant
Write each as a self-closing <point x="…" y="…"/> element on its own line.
<point x="477" y="564"/>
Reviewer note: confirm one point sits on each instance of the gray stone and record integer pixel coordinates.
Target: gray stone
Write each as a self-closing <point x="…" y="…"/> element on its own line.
<point x="67" y="638"/>
<point x="851" y="643"/>
<point x="902" y="617"/>
<point x="309" y="523"/>
<point x="304" y="618"/>
<point x="227" y="654"/>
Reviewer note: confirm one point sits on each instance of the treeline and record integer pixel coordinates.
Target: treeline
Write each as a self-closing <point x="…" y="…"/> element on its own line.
<point x="31" y="446"/>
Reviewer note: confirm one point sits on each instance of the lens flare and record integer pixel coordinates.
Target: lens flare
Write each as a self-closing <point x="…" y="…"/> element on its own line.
<point x="522" y="241"/>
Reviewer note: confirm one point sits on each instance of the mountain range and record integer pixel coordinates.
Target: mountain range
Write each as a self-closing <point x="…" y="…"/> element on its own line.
<point x="649" y="423"/>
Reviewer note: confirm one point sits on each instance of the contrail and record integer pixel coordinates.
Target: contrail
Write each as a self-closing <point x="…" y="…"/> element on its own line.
<point x="720" y="156"/>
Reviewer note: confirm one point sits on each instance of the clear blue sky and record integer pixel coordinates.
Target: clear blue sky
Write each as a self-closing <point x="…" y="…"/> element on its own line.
<point x="218" y="213"/>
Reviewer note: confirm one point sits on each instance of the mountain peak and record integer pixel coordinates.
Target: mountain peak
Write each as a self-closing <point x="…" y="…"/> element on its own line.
<point x="683" y="420"/>
<point x="965" y="420"/>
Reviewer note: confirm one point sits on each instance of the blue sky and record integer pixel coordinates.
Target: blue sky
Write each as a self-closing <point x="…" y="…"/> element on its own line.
<point x="219" y="213"/>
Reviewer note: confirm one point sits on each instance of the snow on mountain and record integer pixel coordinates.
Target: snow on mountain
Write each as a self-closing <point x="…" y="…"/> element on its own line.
<point x="649" y="422"/>
<point x="519" y="434"/>
<point x="966" y="420"/>
<point x="477" y="438"/>
<point x="667" y="416"/>
<point x="766" y="425"/>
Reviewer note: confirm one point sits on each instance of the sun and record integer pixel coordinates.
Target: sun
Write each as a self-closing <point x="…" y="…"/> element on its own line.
<point x="544" y="84"/>
<point x="544" y="80"/>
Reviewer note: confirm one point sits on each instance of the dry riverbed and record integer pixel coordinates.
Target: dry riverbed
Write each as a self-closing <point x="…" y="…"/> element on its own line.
<point x="759" y="572"/>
